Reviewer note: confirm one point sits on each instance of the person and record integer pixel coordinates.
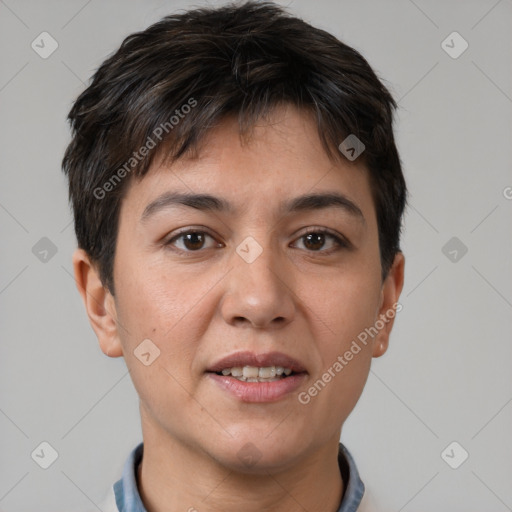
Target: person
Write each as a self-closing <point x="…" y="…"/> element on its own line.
<point x="238" y="200"/>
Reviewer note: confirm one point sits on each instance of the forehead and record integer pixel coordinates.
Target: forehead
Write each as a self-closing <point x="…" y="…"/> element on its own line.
<point x="281" y="159"/>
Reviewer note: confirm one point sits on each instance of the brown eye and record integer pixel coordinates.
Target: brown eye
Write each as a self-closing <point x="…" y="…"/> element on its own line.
<point x="316" y="240"/>
<point x="190" y="241"/>
<point x="193" y="241"/>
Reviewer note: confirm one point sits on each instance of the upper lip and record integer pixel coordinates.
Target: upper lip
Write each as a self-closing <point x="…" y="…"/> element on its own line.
<point x="258" y="360"/>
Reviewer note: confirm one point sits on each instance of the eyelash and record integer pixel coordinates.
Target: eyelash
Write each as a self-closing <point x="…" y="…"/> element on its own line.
<point x="340" y="242"/>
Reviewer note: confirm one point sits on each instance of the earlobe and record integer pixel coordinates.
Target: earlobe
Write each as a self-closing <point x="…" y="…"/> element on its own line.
<point x="389" y="308"/>
<point x="99" y="304"/>
<point x="380" y="348"/>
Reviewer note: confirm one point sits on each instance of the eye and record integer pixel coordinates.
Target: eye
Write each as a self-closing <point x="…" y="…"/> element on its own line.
<point x="315" y="240"/>
<point x="192" y="240"/>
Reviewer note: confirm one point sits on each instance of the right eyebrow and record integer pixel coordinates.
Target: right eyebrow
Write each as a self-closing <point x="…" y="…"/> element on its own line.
<point x="205" y="202"/>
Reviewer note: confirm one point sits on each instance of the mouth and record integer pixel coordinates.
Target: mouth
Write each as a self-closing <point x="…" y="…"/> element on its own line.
<point x="258" y="377"/>
<point x="248" y="365"/>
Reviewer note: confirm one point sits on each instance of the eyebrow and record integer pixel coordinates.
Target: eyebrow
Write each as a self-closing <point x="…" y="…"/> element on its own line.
<point x="208" y="202"/>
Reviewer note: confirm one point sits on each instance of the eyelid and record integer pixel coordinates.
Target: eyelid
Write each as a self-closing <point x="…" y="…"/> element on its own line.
<point x="188" y="229"/>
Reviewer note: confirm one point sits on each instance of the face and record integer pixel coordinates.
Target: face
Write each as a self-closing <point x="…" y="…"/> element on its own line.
<point x="261" y="277"/>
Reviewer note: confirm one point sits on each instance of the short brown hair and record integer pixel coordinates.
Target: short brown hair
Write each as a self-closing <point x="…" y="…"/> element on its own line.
<point x="240" y="60"/>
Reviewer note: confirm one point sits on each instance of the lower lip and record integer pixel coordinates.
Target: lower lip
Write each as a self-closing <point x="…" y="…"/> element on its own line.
<point x="259" y="391"/>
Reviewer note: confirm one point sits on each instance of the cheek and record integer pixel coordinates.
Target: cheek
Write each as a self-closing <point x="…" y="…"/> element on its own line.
<point x="343" y="306"/>
<point x="344" y="347"/>
<point x="156" y="301"/>
<point x="157" y="305"/>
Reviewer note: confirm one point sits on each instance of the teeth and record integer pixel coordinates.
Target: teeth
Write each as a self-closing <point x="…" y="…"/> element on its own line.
<point x="250" y="372"/>
<point x="255" y="374"/>
<point x="267" y="373"/>
<point x="237" y="371"/>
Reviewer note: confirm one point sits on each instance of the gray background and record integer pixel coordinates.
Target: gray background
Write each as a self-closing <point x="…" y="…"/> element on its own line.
<point x="447" y="374"/>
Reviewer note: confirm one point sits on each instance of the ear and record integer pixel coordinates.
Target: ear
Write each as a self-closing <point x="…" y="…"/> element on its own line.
<point x="389" y="306"/>
<point x="99" y="304"/>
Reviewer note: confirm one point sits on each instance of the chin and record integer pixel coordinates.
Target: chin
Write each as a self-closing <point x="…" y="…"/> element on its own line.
<point x="250" y="453"/>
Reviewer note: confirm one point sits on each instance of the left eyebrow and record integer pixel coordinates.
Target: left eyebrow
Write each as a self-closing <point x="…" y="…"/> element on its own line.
<point x="319" y="201"/>
<point x="208" y="202"/>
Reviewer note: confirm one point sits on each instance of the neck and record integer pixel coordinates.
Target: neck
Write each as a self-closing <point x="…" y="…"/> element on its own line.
<point x="175" y="477"/>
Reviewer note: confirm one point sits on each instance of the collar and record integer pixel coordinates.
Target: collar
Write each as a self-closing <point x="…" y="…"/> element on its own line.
<point x="128" y="498"/>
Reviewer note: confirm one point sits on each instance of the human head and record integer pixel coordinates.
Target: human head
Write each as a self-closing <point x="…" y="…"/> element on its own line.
<point x="170" y="84"/>
<point x="253" y="105"/>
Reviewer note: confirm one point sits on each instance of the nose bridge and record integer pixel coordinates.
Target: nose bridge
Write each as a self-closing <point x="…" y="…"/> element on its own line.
<point x="258" y="290"/>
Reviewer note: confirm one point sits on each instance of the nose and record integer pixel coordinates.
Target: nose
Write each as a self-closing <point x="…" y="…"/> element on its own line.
<point x="259" y="293"/>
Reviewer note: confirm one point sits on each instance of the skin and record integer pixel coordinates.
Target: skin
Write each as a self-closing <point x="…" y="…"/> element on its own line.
<point x="199" y="306"/>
